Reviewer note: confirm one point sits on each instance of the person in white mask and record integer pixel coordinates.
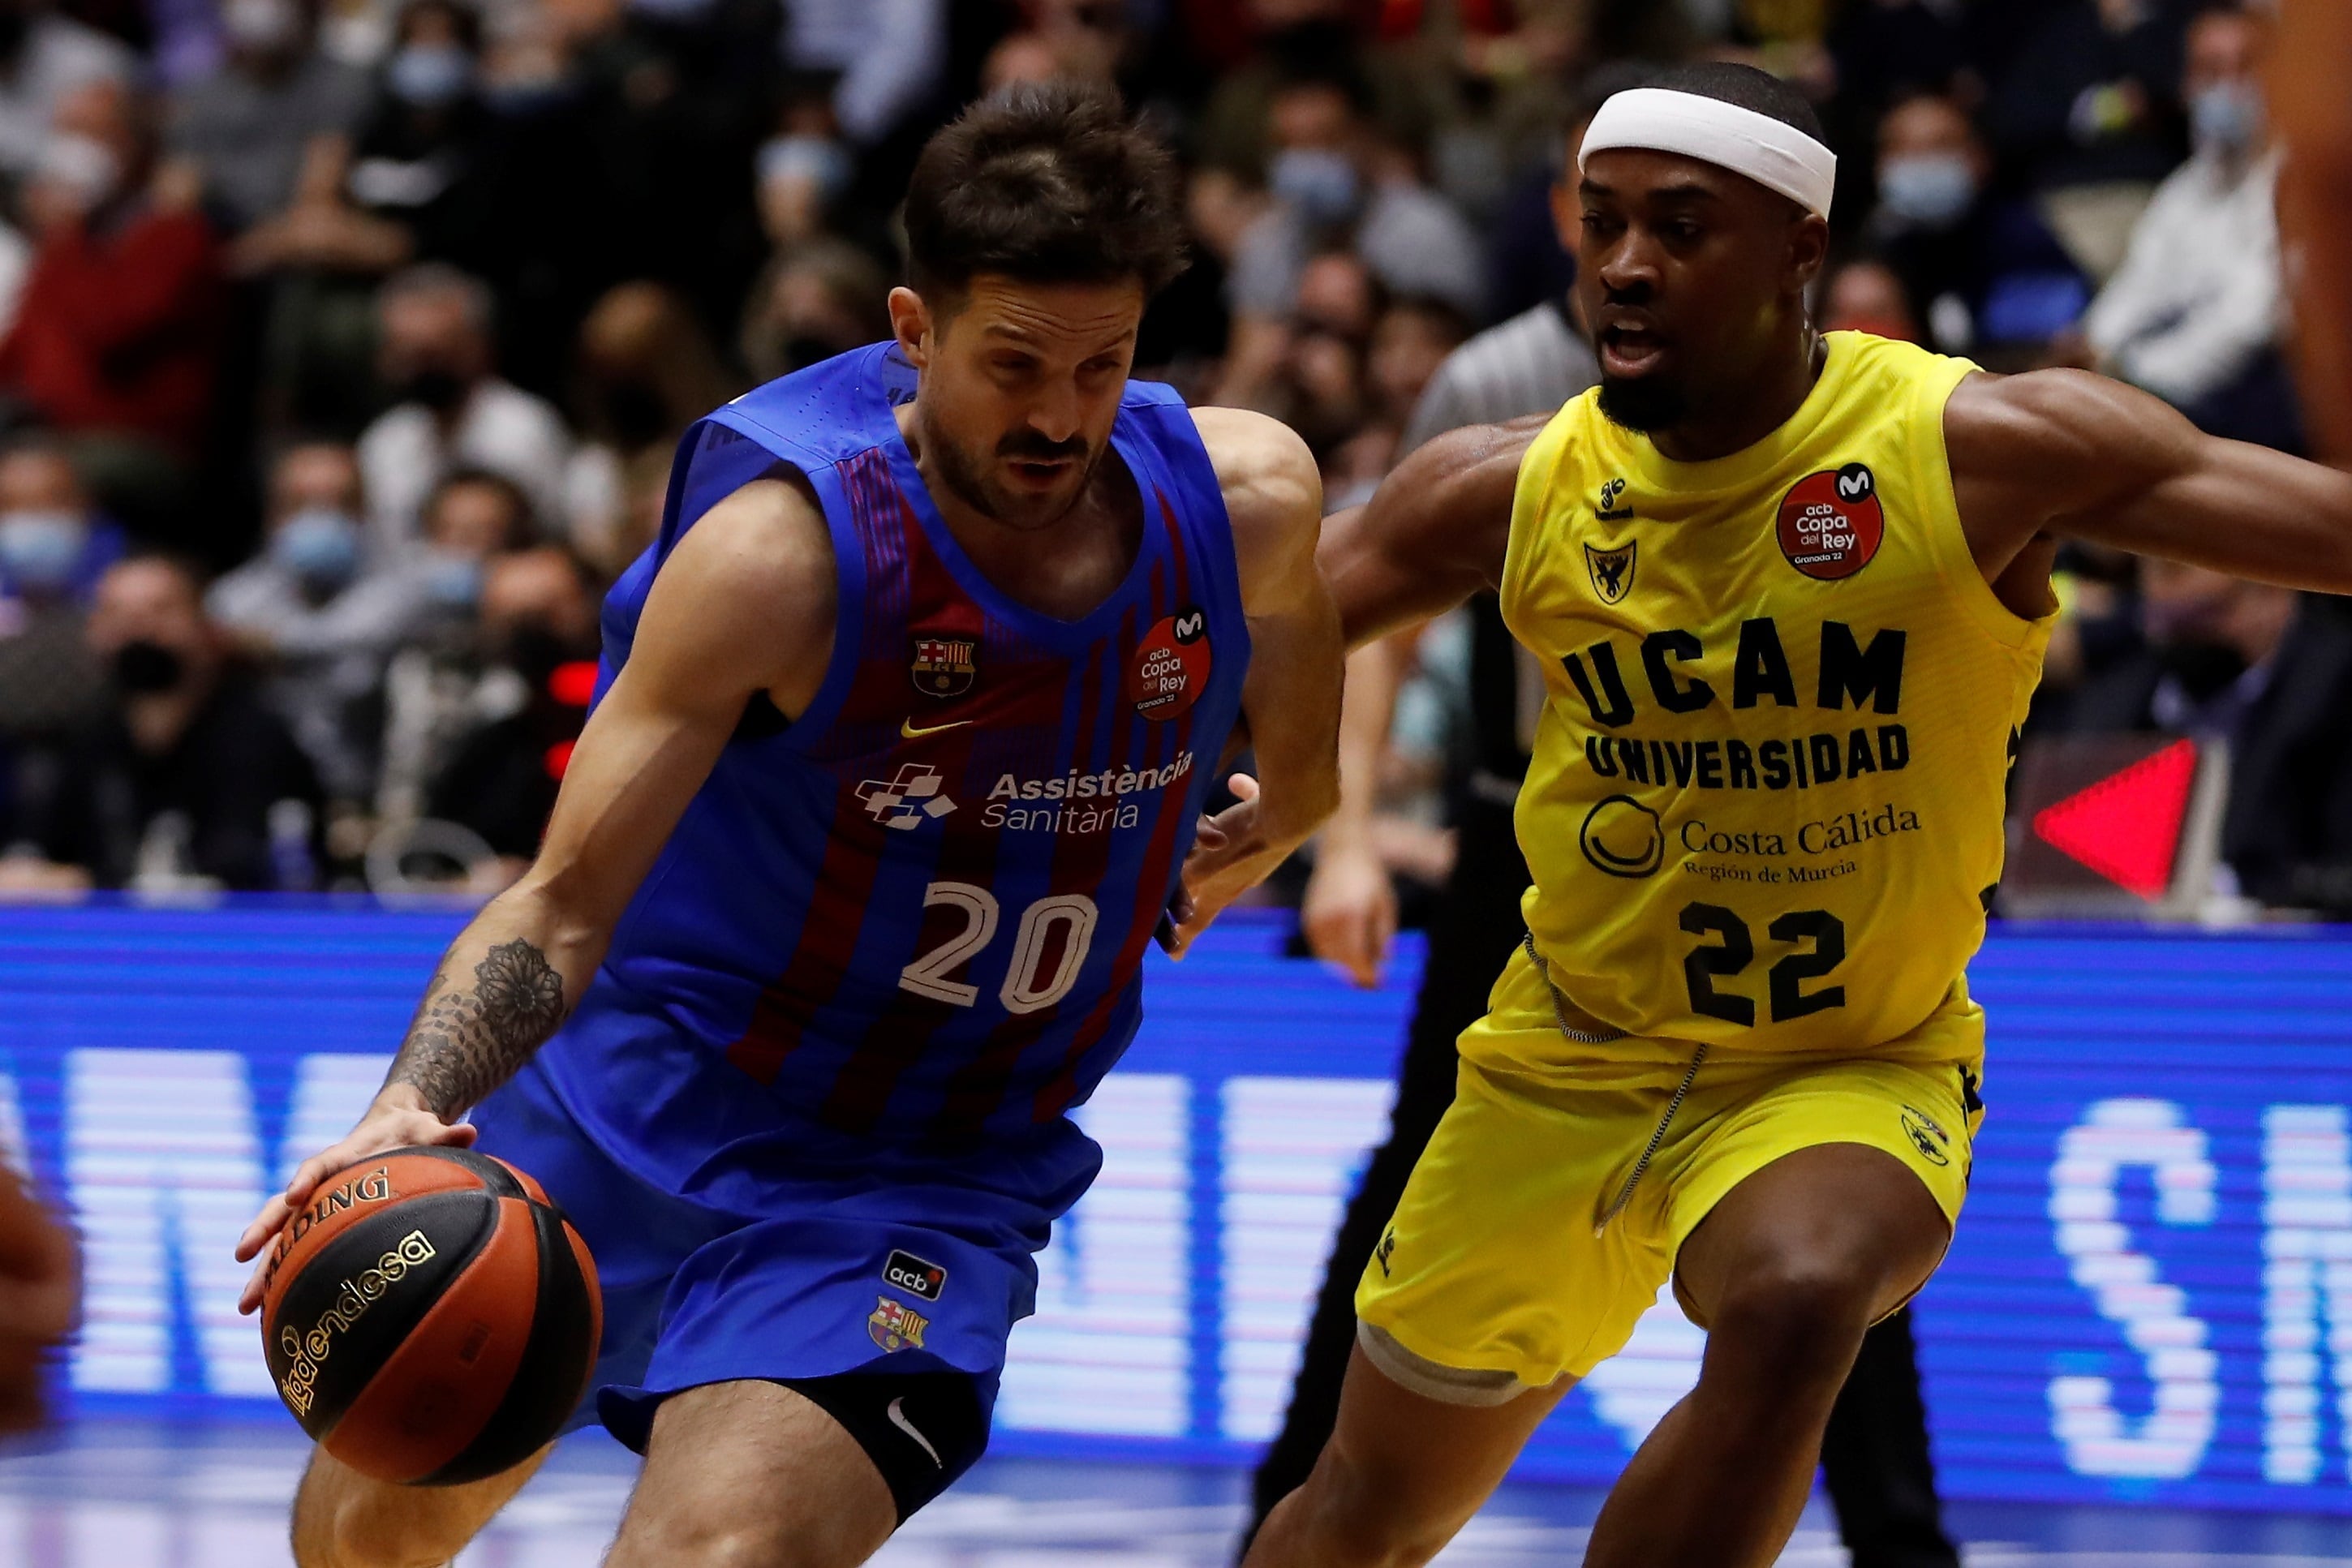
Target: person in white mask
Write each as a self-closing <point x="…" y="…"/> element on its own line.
<point x="53" y="543"/>
<point x="319" y="615"/>
<point x="1977" y="265"/>
<point x="2194" y="314"/>
<point x="53" y="547"/>
<point x="117" y="335"/>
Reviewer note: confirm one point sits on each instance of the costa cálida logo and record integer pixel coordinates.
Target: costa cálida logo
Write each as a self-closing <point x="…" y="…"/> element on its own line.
<point x="1171" y="666"/>
<point x="1831" y="523"/>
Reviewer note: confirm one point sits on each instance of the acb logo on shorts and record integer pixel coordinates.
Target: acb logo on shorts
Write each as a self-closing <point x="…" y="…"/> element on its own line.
<point x="914" y="1276"/>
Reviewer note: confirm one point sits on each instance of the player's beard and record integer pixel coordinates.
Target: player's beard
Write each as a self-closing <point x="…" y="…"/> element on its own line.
<point x="1643" y="403"/>
<point x="967" y="475"/>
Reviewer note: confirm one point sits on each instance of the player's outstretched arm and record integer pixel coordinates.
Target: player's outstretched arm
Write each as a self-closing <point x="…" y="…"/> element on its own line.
<point x="744" y="604"/>
<point x="2066" y="453"/>
<point x="1290" y="699"/>
<point x="1348" y="912"/>
<point x="1433" y="533"/>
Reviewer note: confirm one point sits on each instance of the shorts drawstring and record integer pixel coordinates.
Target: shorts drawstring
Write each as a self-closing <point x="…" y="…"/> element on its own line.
<point x="1587" y="1037"/>
<point x="1560" y="1004"/>
<point x="1641" y="1165"/>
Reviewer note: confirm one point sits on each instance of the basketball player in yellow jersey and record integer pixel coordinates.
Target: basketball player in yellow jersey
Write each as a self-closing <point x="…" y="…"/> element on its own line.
<point x="1790" y="594"/>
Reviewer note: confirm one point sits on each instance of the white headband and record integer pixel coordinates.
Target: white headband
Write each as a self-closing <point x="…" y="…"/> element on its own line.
<point x="1776" y="156"/>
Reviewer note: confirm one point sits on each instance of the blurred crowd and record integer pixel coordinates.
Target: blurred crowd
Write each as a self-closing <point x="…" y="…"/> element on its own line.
<point x="344" y="343"/>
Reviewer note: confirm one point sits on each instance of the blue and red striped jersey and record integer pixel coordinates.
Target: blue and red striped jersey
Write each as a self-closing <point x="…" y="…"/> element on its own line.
<point x="918" y="911"/>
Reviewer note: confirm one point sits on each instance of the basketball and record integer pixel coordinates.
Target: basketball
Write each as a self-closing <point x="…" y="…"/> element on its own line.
<point x="429" y="1317"/>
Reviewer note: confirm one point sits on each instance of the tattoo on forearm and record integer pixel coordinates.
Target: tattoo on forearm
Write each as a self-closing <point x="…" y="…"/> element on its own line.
<point x="467" y="1041"/>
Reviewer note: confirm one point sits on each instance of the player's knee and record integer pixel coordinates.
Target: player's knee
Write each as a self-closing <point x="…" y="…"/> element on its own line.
<point x="1799" y="1319"/>
<point x="710" y="1540"/>
<point x="1365" y="1517"/>
<point x="348" y="1522"/>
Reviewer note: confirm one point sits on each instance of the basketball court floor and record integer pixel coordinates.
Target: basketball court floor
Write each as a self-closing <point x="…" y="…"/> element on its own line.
<point x="115" y="1495"/>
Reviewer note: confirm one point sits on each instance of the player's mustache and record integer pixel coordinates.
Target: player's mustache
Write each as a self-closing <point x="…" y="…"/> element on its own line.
<point x="1037" y="449"/>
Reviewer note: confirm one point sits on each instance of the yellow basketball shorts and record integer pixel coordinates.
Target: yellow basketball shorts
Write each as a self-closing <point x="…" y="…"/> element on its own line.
<point x="1497" y="1261"/>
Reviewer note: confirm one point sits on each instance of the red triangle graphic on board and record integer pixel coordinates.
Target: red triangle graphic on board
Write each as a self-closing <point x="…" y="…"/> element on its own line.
<point x="2126" y="826"/>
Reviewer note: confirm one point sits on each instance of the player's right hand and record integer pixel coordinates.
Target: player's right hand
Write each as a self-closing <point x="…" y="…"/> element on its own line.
<point x="397" y="1120"/>
<point x="1349" y="913"/>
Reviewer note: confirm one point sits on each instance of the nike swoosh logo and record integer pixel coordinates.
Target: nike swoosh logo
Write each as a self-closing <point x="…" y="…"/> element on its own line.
<point x="908" y="729"/>
<point x="898" y="1413"/>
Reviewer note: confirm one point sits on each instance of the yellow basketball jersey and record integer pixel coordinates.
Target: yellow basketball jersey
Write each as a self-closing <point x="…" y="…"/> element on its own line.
<point x="1765" y="809"/>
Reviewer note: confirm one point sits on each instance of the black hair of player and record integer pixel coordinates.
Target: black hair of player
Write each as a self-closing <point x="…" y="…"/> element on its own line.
<point x="1042" y="182"/>
<point x="1744" y="87"/>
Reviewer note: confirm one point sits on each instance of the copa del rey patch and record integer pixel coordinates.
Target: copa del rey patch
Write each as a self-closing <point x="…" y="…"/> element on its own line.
<point x="1831" y="523"/>
<point x="1171" y="665"/>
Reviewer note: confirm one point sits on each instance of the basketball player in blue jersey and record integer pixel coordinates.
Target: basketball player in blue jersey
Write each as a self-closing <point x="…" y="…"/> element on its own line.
<point x="905" y="727"/>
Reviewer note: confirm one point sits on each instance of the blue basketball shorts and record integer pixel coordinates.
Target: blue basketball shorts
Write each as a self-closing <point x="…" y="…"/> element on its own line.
<point x="879" y="1280"/>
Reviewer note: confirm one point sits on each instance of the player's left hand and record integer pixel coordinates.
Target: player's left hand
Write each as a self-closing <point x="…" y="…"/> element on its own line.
<point x="1232" y="854"/>
<point x="40" y="1287"/>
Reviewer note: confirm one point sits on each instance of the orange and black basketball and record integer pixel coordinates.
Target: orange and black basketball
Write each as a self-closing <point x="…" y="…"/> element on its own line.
<point x="430" y="1317"/>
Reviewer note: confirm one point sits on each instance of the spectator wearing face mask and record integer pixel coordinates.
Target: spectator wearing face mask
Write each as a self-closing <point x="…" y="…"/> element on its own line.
<point x="54" y="542"/>
<point x="44" y="59"/>
<point x="2258" y="668"/>
<point x="472" y="516"/>
<point x="2194" y="314"/>
<point x="190" y="778"/>
<point x="1336" y="178"/>
<point x="536" y="650"/>
<point x="252" y="122"/>
<point x="433" y="690"/>
<point x="316" y="620"/>
<point x="644" y="373"/>
<point x="1980" y="269"/>
<point x="429" y="158"/>
<point x="816" y="300"/>
<point x="118" y="331"/>
<point x="53" y="547"/>
<point x="453" y="411"/>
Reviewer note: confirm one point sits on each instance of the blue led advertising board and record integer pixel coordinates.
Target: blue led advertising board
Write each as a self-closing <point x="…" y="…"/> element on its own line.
<point x="2151" y="1295"/>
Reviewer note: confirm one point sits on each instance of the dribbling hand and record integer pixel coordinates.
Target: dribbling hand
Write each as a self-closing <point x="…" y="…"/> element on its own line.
<point x="397" y="1120"/>
<point x="1231" y="854"/>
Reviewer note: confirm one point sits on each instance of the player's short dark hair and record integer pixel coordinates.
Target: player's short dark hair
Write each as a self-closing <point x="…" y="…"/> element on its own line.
<point x="1045" y="183"/>
<point x="1747" y="88"/>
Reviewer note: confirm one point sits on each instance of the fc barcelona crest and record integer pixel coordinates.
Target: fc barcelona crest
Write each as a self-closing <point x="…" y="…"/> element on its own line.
<point x="1611" y="569"/>
<point x="893" y="1325"/>
<point x="945" y="667"/>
